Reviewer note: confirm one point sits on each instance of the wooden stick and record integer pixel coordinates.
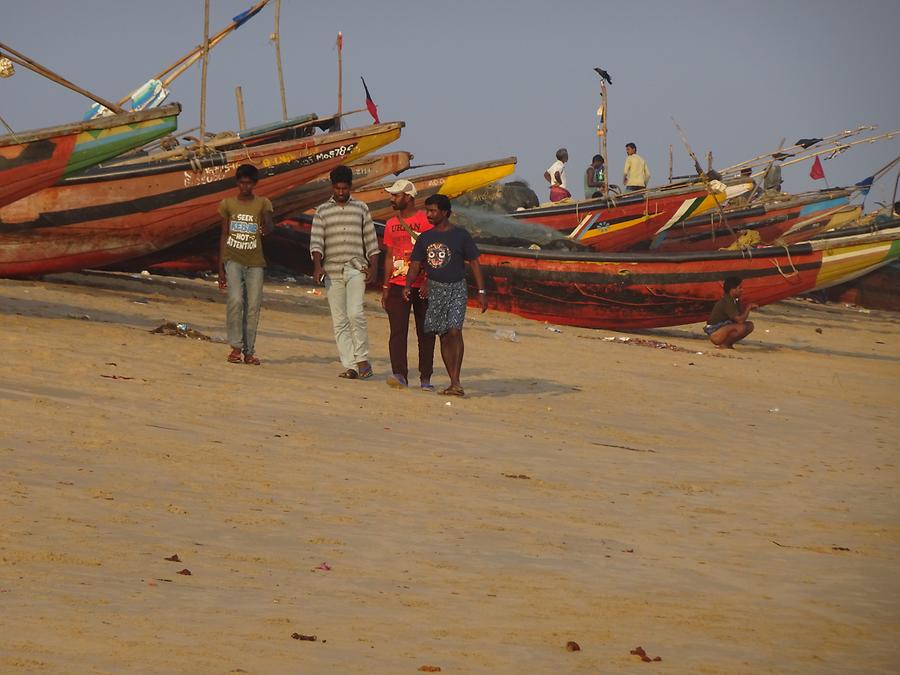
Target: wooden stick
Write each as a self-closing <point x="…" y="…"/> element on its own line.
<point x="670" y="162"/>
<point x="239" y="100"/>
<point x="277" y="40"/>
<point x="603" y="149"/>
<point x="836" y="136"/>
<point x="340" y="95"/>
<point x="25" y="62"/>
<point x="203" y="72"/>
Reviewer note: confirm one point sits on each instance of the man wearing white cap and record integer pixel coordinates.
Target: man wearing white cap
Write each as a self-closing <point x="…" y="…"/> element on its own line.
<point x="400" y="233"/>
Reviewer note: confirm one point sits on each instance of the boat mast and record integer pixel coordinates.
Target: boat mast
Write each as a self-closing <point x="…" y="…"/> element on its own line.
<point x="340" y="92"/>
<point x="276" y="38"/>
<point x="203" y="72"/>
<point x="601" y="134"/>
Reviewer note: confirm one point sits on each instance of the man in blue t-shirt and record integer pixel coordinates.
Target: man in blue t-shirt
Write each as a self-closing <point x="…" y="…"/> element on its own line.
<point x="443" y="252"/>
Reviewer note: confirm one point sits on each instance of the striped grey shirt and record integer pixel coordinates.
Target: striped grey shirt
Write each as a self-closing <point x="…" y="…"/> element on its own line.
<point x="343" y="234"/>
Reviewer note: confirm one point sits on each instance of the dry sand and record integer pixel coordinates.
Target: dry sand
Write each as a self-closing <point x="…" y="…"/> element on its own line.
<point x="729" y="512"/>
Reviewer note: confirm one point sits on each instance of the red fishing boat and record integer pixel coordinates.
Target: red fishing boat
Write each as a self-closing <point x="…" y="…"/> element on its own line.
<point x="105" y="216"/>
<point x="790" y="220"/>
<point x="627" y="291"/>
<point x="33" y="160"/>
<point x="624" y="222"/>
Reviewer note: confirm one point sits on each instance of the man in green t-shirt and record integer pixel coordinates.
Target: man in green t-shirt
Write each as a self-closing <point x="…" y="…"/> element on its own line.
<point x="246" y="218"/>
<point x="727" y="322"/>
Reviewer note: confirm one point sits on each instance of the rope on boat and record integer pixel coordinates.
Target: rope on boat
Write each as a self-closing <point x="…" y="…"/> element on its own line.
<point x="787" y="252"/>
<point x="7" y="69"/>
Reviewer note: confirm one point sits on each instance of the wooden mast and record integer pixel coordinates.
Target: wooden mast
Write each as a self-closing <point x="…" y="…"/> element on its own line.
<point x="203" y="72"/>
<point x="276" y="38"/>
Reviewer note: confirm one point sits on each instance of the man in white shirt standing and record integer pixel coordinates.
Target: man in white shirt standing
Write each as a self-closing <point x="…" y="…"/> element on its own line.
<point x="636" y="173"/>
<point x="556" y="176"/>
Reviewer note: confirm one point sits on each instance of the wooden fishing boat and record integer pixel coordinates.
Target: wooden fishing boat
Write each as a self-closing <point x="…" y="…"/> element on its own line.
<point x="451" y="182"/>
<point x="643" y="290"/>
<point x="624" y="222"/>
<point x="877" y="290"/>
<point x="105" y="216"/>
<point x="201" y="252"/>
<point x="33" y="160"/>
<point x="791" y="220"/>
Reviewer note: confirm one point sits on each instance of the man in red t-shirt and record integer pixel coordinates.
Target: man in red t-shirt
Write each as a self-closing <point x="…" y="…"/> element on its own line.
<point x="400" y="234"/>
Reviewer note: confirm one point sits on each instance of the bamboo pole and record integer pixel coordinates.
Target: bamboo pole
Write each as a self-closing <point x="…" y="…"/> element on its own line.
<point x="828" y="139"/>
<point x="670" y="162"/>
<point x="277" y="39"/>
<point x="840" y="148"/>
<point x="604" y="104"/>
<point x="203" y="73"/>
<point x="239" y="101"/>
<point x="194" y="55"/>
<point x="25" y="62"/>
<point x="340" y="60"/>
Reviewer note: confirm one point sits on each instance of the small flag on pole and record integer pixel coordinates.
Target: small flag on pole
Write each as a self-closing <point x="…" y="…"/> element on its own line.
<point x="817" y="172"/>
<point x="370" y="104"/>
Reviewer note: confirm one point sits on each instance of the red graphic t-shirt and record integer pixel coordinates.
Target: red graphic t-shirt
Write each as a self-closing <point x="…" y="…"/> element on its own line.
<point x="401" y="244"/>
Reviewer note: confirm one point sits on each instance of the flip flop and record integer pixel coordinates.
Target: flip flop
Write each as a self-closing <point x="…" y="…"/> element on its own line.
<point x="397" y="382"/>
<point x="366" y="374"/>
<point x="426" y="386"/>
<point x="349" y="374"/>
<point x="234" y="356"/>
<point x="251" y="360"/>
<point x="453" y="391"/>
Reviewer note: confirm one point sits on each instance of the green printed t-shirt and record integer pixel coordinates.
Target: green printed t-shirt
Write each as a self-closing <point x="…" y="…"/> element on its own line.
<point x="243" y="242"/>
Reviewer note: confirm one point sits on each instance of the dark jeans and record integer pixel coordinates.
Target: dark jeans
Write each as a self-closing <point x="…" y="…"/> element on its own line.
<point x="398" y="315"/>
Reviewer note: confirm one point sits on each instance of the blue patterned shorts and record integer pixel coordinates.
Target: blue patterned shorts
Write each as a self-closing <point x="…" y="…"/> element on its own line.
<point x="446" y="306"/>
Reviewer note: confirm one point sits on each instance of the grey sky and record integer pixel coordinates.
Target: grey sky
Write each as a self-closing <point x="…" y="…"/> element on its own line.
<point x="481" y="80"/>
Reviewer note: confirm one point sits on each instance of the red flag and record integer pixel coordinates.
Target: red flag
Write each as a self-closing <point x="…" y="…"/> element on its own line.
<point x="817" y="172"/>
<point x="370" y="104"/>
<point x="340" y="41"/>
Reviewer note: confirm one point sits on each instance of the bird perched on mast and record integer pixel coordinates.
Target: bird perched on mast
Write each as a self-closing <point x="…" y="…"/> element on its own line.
<point x="602" y="73"/>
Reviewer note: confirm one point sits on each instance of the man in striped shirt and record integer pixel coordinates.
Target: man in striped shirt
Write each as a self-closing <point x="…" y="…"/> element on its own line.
<point x="344" y="250"/>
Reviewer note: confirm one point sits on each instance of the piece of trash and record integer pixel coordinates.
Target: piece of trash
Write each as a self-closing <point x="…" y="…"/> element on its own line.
<point x="325" y="567"/>
<point x="864" y="311"/>
<point x="773" y="410"/>
<point x="639" y="651"/>
<point x="117" y="377"/>
<point x="554" y="329"/>
<point x="819" y="331"/>
<point x="609" y="339"/>
<point x="572" y="646"/>
<point x="185" y="572"/>
<point x="180" y="330"/>
<point x="429" y="669"/>
<point x="291" y="280"/>
<point x="839" y="548"/>
<point x="173" y="558"/>
<point x="507" y="334"/>
<point x="301" y="636"/>
<point x="145" y="273"/>
<point x="141" y="301"/>
<point x="517" y="475"/>
<point x="448" y="403"/>
<point x="314" y="291"/>
<point x="81" y="317"/>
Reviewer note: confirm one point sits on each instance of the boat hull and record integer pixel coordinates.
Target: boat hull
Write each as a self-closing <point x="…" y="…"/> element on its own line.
<point x="646" y="291"/>
<point x="46" y="156"/>
<point x="99" y="219"/>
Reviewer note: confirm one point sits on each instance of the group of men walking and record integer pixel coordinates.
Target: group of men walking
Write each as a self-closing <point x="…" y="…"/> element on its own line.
<point x="424" y="275"/>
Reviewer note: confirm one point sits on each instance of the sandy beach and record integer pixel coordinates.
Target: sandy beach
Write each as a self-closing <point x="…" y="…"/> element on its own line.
<point x="728" y="512"/>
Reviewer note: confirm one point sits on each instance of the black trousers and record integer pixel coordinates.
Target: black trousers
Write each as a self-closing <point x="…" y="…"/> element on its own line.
<point x="398" y="315"/>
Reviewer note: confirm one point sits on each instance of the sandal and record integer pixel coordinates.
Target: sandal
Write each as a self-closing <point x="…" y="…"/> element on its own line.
<point x="349" y="374"/>
<point x="234" y="356"/>
<point x="365" y="373"/>
<point x="453" y="390"/>
<point x="251" y="360"/>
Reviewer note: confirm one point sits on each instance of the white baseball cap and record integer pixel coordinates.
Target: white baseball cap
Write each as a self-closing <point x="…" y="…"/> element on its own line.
<point x="403" y="186"/>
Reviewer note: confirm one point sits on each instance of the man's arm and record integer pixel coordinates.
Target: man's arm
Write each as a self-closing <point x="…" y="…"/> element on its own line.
<point x="370" y="243"/>
<point x="411" y="275"/>
<point x="317" y="247"/>
<point x="268" y="223"/>
<point x="547" y="177"/>
<point x="388" y="271"/>
<point x="625" y="170"/>
<point x="222" y="237"/>
<point x="479" y="283"/>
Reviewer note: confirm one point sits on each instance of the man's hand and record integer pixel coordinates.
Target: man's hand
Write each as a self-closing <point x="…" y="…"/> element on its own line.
<point x="318" y="275"/>
<point x="406" y="293"/>
<point x="753" y="306"/>
<point x="384" y="296"/>
<point x="371" y="274"/>
<point x="223" y="284"/>
<point x="482" y="299"/>
<point x="423" y="290"/>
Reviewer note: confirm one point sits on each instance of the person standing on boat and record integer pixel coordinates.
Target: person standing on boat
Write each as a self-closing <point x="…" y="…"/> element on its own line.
<point x="728" y="322"/>
<point x="556" y="176"/>
<point x="443" y="252"/>
<point x="344" y="249"/>
<point x="593" y="178"/>
<point x="772" y="180"/>
<point x="400" y="234"/>
<point x="636" y="174"/>
<point x="242" y="265"/>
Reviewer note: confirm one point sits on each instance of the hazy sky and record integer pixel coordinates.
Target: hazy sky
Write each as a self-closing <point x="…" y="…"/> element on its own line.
<point x="480" y="80"/>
